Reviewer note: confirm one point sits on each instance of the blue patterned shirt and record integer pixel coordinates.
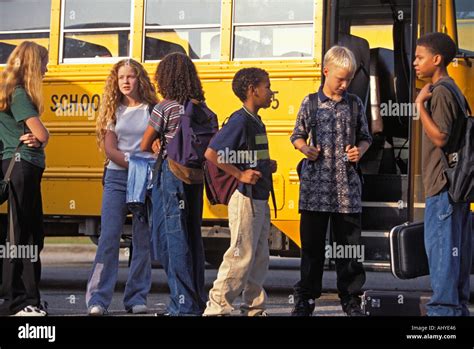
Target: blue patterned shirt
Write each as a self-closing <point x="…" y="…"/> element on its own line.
<point x="331" y="184"/>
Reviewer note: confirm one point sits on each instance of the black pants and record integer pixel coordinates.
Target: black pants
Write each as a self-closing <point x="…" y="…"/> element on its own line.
<point x="21" y="276"/>
<point x="346" y="230"/>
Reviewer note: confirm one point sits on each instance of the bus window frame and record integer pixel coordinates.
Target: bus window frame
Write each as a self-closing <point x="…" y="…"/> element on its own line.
<point x="94" y="60"/>
<point x="219" y="27"/>
<point x="265" y="24"/>
<point x="30" y="31"/>
<point x="25" y="32"/>
<point x="177" y="28"/>
<point x="461" y="53"/>
<point x="7" y="32"/>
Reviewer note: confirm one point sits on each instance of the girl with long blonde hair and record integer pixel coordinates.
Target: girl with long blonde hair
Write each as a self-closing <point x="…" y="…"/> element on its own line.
<point x="112" y="96"/>
<point x="24" y="137"/>
<point x="123" y="117"/>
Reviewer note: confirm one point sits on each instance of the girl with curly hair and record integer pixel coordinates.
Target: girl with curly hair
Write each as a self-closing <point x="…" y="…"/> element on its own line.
<point x="123" y="117"/>
<point x="177" y="206"/>
<point x="24" y="137"/>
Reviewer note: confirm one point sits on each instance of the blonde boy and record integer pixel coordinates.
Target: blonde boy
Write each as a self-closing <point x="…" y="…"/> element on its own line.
<point x="330" y="187"/>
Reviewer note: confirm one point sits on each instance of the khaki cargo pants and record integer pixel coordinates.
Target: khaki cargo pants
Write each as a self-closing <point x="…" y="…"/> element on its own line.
<point x="245" y="263"/>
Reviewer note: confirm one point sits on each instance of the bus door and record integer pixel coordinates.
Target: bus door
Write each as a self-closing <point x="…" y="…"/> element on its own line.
<point x="379" y="34"/>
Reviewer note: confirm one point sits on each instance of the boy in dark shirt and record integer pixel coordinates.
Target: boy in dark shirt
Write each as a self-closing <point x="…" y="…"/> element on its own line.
<point x="246" y="261"/>
<point x="447" y="224"/>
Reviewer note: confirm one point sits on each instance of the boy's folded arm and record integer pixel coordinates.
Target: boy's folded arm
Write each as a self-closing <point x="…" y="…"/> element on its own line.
<point x="248" y="176"/>
<point x="212" y="156"/>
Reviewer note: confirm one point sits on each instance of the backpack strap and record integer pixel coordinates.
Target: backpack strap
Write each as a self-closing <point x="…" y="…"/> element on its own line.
<point x="155" y="173"/>
<point x="313" y="111"/>
<point x="274" y="202"/>
<point x="462" y="101"/>
<point x="226" y="121"/>
<point x="150" y="108"/>
<point x="8" y="174"/>
<point x="250" y="147"/>
<point x="159" y="160"/>
<point x="455" y="139"/>
<point x="11" y="229"/>
<point x="354" y="108"/>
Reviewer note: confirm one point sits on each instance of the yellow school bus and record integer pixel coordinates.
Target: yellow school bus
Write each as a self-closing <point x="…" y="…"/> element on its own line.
<point x="287" y="38"/>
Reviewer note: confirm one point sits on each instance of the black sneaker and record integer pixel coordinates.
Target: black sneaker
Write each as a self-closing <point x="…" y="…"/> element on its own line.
<point x="352" y="308"/>
<point x="303" y="307"/>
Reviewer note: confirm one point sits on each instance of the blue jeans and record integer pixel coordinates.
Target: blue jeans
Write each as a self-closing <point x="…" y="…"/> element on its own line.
<point x="448" y="246"/>
<point x="100" y="287"/>
<point x="177" y="241"/>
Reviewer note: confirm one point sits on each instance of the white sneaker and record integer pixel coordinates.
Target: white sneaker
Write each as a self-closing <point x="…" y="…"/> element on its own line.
<point x="96" y="310"/>
<point x="138" y="309"/>
<point x="31" y="310"/>
<point x="260" y="313"/>
<point x="263" y="313"/>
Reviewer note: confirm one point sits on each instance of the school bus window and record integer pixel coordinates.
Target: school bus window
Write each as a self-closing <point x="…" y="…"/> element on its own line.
<point x="186" y="26"/>
<point x="273" y="11"/>
<point x="465" y="24"/>
<point x="95" y="29"/>
<point x="15" y="27"/>
<point x="273" y="28"/>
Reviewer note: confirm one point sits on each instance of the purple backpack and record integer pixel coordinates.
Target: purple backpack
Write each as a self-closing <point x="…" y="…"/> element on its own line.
<point x="186" y="150"/>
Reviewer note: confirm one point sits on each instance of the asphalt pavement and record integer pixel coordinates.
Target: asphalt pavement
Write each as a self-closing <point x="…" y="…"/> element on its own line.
<point x="66" y="268"/>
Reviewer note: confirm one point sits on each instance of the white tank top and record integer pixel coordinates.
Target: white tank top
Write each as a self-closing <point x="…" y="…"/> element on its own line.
<point x="130" y="125"/>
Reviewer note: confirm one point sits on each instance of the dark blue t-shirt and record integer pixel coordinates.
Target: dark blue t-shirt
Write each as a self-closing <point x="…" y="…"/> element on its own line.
<point x="231" y="145"/>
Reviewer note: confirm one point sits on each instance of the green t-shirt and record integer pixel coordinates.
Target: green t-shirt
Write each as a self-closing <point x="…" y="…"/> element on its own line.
<point x="13" y="126"/>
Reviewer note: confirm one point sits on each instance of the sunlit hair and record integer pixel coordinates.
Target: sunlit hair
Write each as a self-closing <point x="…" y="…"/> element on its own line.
<point x="340" y="57"/>
<point x="112" y="96"/>
<point x="178" y="79"/>
<point x="439" y="44"/>
<point x="23" y="68"/>
<point x="245" y="78"/>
